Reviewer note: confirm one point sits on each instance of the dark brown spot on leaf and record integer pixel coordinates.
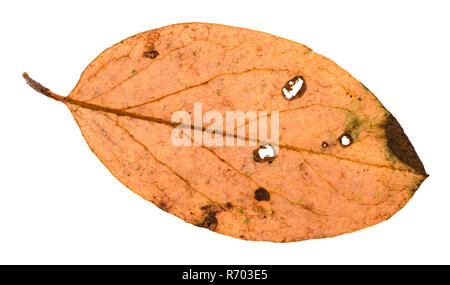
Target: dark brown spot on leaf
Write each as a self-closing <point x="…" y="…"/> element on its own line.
<point x="150" y="54"/>
<point x="261" y="194"/>
<point x="400" y="146"/>
<point x="209" y="208"/>
<point x="210" y="222"/>
<point x="163" y="206"/>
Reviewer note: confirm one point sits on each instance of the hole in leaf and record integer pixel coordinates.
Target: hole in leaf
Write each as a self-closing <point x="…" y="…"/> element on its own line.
<point x="294" y="88"/>
<point x="264" y="153"/>
<point x="324" y="144"/>
<point x="345" y="140"/>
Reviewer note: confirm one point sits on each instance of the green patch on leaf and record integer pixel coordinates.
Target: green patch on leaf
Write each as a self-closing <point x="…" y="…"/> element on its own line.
<point x="353" y="124"/>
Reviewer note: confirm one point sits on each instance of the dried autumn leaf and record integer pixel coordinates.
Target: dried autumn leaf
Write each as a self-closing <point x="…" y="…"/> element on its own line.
<point x="343" y="164"/>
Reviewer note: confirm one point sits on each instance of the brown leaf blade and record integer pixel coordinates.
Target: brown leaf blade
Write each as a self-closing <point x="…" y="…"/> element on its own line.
<point x="344" y="162"/>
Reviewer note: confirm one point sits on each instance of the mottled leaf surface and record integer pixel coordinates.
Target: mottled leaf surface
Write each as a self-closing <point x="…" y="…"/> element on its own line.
<point x="315" y="188"/>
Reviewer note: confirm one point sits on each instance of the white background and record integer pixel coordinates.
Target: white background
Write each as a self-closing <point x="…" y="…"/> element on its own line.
<point x="60" y="205"/>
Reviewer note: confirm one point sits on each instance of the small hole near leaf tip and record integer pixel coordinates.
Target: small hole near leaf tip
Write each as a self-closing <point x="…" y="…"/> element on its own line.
<point x="345" y="140"/>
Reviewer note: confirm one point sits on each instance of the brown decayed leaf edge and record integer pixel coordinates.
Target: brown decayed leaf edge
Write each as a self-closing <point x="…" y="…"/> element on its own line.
<point x="315" y="187"/>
